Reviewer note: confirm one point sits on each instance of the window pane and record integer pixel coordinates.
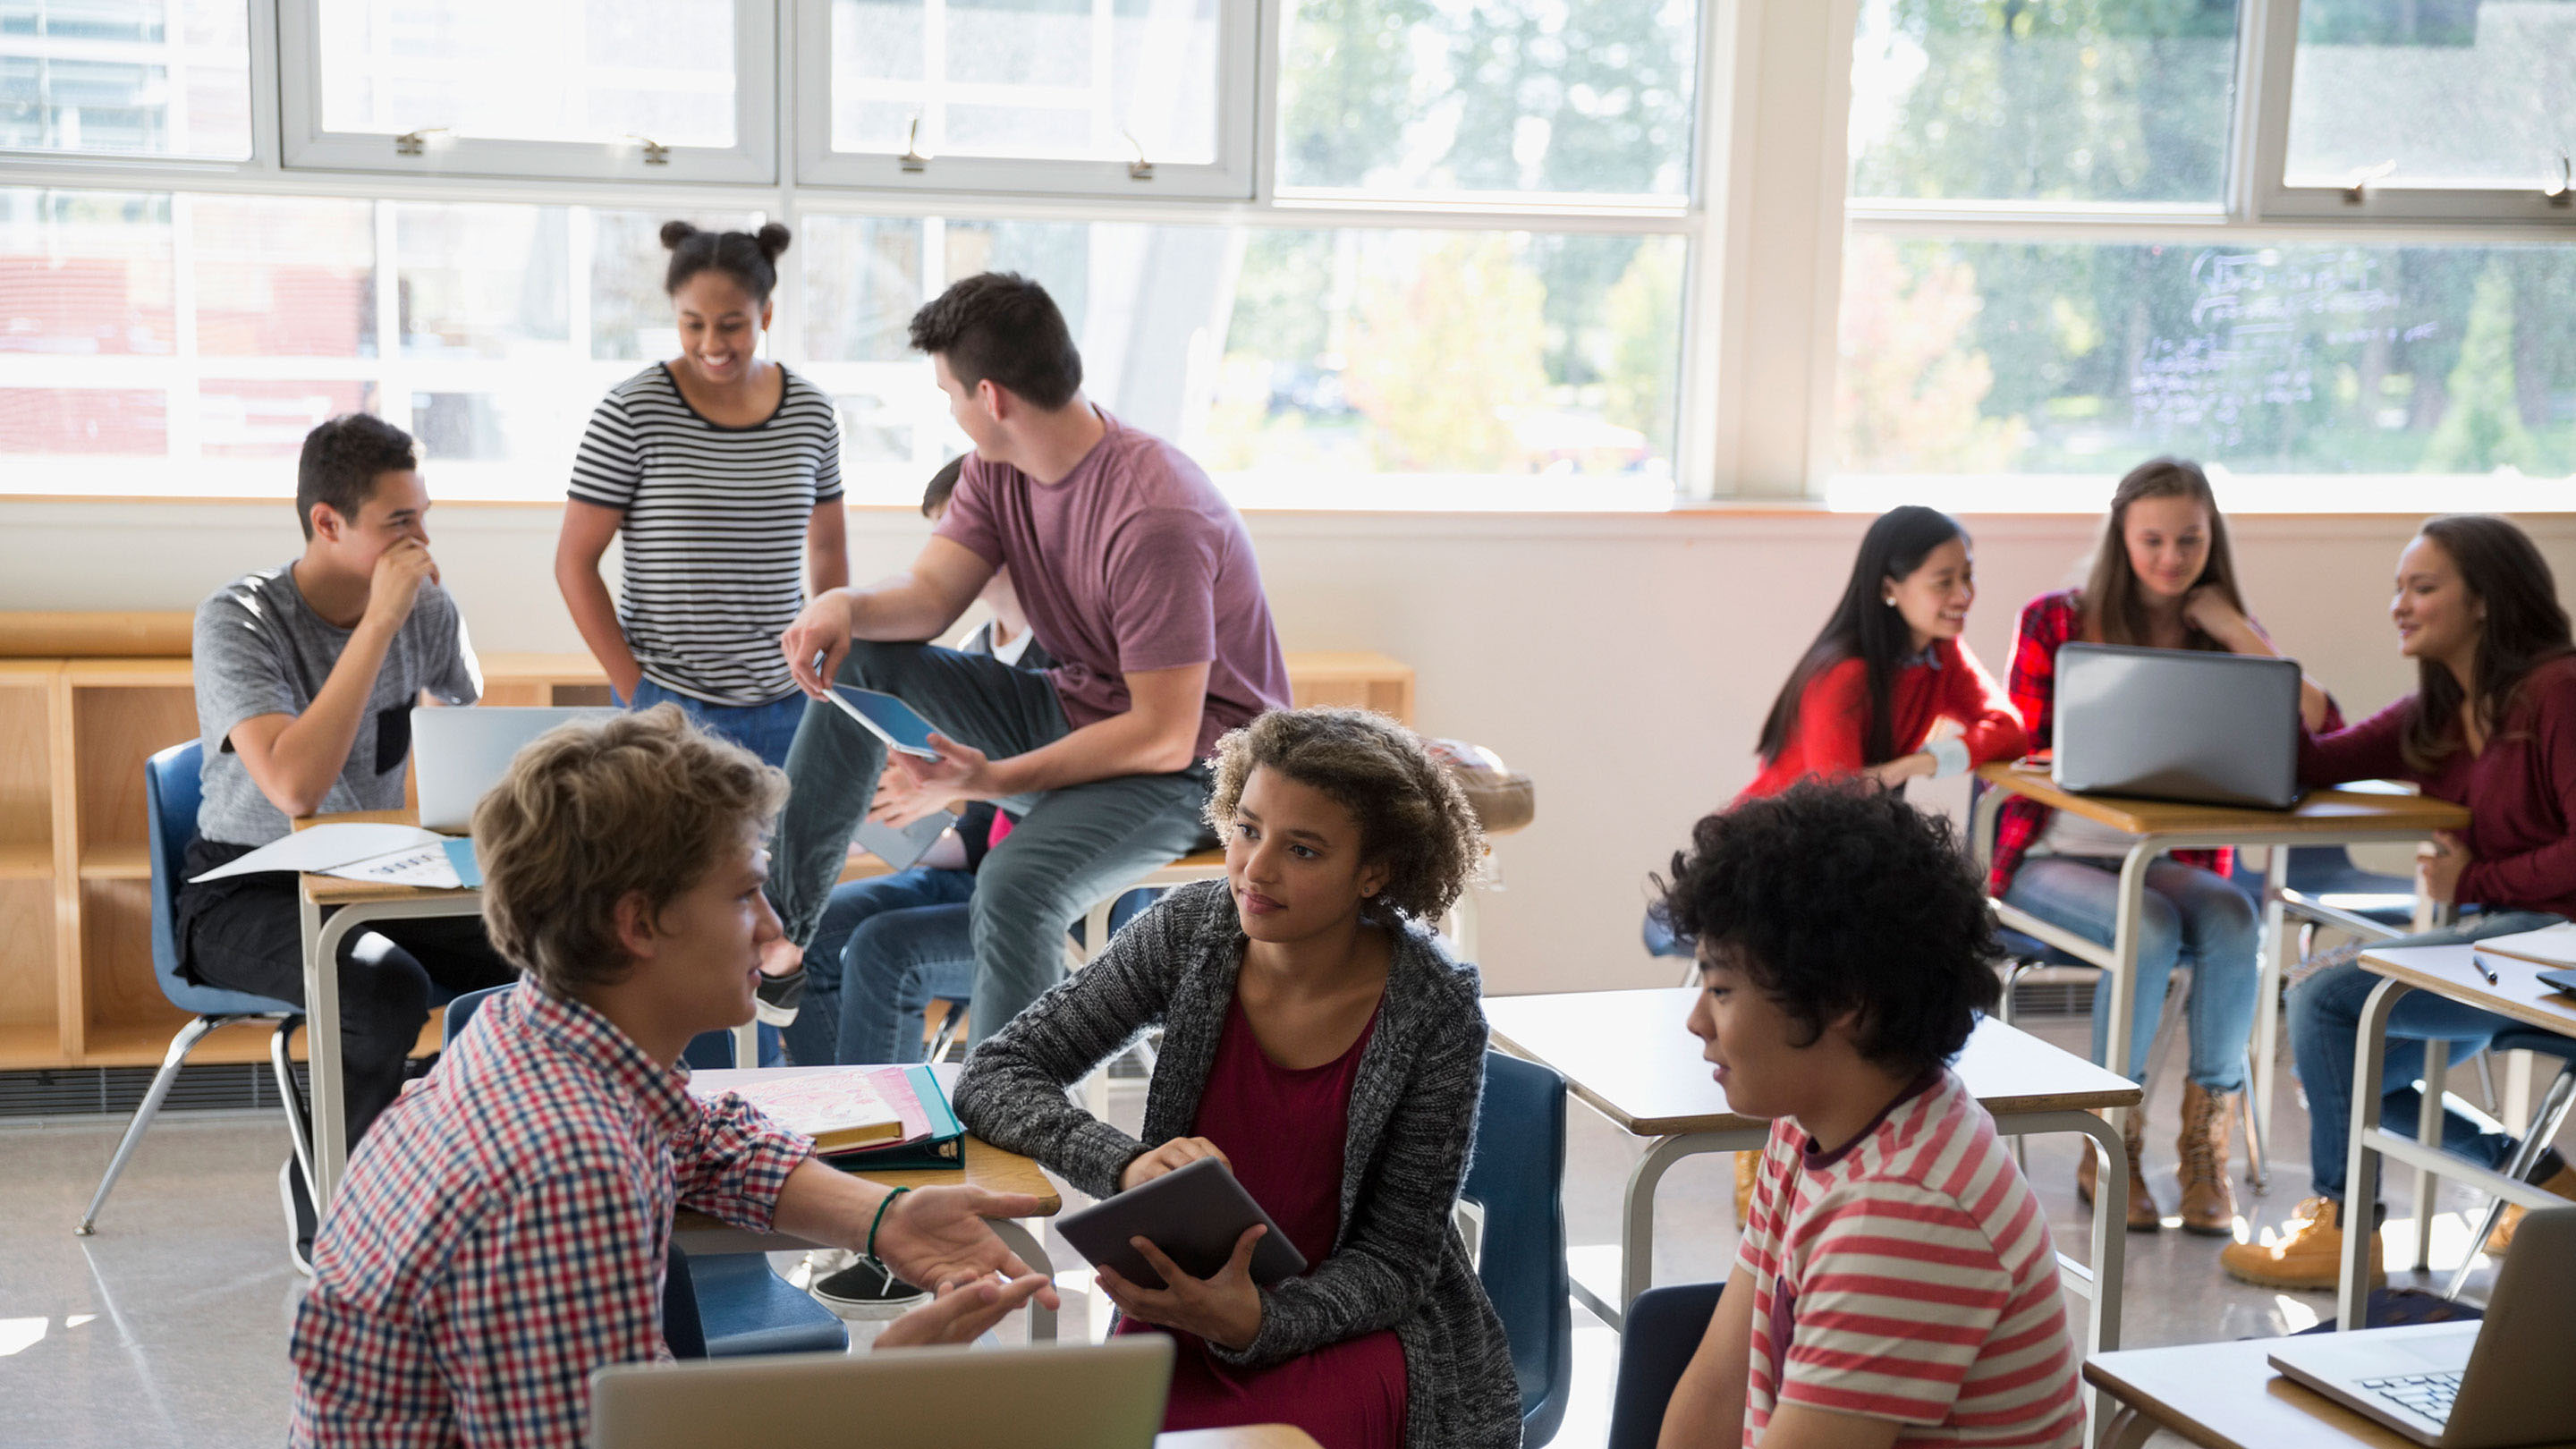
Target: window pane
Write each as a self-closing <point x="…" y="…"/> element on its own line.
<point x="85" y="274"/>
<point x="630" y="316"/>
<point x="532" y="70"/>
<point x="81" y="422"/>
<point x="1589" y="96"/>
<point x="2089" y="100"/>
<point x="2442" y="92"/>
<point x="264" y="418"/>
<point x="284" y="278"/>
<point x="483" y="281"/>
<point x="2071" y="358"/>
<point x="126" y="77"/>
<point x="863" y="282"/>
<point x="1056" y="79"/>
<point x="1302" y="368"/>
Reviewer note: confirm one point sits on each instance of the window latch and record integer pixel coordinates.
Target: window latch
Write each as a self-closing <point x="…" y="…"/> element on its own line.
<point x="912" y="159"/>
<point x="2361" y="178"/>
<point x="655" y="153"/>
<point x="416" y="143"/>
<point x="2562" y="191"/>
<point x="1139" y="169"/>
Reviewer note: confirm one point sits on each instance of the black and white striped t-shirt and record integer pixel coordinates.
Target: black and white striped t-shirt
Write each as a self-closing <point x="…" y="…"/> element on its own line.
<point x="714" y="534"/>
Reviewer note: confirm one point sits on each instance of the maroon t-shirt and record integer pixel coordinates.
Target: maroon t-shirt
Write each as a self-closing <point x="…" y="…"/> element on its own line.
<point x="1131" y="562"/>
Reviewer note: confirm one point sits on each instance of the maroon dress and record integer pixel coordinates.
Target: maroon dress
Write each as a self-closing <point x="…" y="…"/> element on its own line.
<point x="1283" y="1130"/>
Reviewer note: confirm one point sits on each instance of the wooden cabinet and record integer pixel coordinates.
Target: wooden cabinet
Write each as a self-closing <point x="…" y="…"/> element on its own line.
<point x="76" y="985"/>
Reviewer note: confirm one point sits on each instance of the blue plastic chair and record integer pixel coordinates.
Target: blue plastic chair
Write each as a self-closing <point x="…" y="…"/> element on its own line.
<point x="1517" y="1178"/>
<point x="1663" y="1330"/>
<point x="171" y="790"/>
<point x="728" y="1305"/>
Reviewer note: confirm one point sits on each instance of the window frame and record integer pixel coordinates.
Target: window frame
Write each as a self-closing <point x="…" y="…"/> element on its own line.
<point x="306" y="145"/>
<point x="1241" y="27"/>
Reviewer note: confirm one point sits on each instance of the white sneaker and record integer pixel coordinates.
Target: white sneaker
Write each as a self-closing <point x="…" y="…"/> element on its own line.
<point x="819" y="1264"/>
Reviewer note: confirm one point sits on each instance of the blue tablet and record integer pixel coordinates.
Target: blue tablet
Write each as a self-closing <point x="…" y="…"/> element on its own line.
<point x="888" y="718"/>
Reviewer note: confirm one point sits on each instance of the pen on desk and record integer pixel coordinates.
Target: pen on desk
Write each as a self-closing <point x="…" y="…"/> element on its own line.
<point x="2484" y="969"/>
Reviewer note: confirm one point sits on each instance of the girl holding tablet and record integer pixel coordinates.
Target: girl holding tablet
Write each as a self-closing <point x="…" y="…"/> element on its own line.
<point x="2492" y="726"/>
<point x="722" y="471"/>
<point x="1888" y="667"/>
<point x="1320" y="1041"/>
<point x="2163" y="577"/>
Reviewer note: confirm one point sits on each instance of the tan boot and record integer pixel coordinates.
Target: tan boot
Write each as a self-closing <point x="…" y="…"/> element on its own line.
<point x="2310" y="1255"/>
<point x="2562" y="1183"/>
<point x="2144" y="1216"/>
<point x="1746" y="1165"/>
<point x="2208" y="1199"/>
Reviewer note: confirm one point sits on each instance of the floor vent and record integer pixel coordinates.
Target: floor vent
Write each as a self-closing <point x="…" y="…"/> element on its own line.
<point x="117" y="1091"/>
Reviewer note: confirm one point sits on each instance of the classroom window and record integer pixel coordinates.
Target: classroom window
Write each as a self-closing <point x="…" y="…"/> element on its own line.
<point x="126" y="78"/>
<point x="2435" y="94"/>
<point x="1445" y="97"/>
<point x="2380" y="364"/>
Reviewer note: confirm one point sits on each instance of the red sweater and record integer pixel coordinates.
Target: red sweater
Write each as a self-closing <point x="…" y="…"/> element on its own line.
<point x="2521" y="792"/>
<point x="1833" y="712"/>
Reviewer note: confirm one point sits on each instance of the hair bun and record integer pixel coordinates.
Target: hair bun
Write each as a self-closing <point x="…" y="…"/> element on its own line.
<point x="676" y="232"/>
<point x="772" y="240"/>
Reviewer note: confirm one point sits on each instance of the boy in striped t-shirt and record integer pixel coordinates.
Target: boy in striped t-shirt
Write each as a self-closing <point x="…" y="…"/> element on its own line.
<point x="1896" y="1284"/>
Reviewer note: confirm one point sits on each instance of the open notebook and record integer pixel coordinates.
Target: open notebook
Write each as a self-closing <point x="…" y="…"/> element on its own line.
<point x="840" y="1108"/>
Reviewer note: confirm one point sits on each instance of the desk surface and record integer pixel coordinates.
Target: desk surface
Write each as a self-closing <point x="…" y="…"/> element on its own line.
<point x="332" y="890"/>
<point x="2319" y="812"/>
<point x="987" y="1166"/>
<point x="2226" y="1396"/>
<point x="1628" y="1055"/>
<point x="2518" y="992"/>
<point x="1247" y="1436"/>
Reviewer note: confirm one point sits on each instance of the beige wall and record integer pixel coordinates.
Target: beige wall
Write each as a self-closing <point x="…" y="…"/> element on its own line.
<point x="1624" y="661"/>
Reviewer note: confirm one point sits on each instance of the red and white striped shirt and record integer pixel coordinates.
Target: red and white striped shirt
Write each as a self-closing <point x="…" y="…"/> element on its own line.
<point x="503" y="1230"/>
<point x="1911" y="1277"/>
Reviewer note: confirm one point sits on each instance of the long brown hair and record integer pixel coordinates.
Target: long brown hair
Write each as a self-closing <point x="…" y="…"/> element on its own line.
<point x="2113" y="611"/>
<point x="2525" y="626"/>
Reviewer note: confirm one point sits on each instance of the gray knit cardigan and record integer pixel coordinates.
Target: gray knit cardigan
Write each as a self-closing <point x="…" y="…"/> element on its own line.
<point x="1397" y="1261"/>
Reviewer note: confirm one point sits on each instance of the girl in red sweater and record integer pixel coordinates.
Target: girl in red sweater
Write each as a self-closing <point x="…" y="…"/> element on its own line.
<point x="1888" y="667"/>
<point x="2492" y="726"/>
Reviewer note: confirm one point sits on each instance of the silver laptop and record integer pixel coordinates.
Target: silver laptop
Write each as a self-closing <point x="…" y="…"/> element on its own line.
<point x="2177" y="724"/>
<point x="460" y="753"/>
<point x="1068" y="1396"/>
<point x="2467" y="1385"/>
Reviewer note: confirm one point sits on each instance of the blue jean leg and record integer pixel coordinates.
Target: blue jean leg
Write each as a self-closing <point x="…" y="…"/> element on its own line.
<point x="896" y="963"/>
<point x="764" y="729"/>
<point x="814" y="1039"/>
<point x="2325" y="1028"/>
<point x="2187" y="914"/>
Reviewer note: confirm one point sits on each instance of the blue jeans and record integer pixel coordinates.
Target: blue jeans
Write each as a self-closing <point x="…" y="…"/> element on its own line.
<point x="2187" y="913"/>
<point x="2325" y="1031"/>
<point x="764" y="729"/>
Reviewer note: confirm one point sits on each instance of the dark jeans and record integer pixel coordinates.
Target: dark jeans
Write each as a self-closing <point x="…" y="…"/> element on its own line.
<point x="1072" y="847"/>
<point x="243" y="933"/>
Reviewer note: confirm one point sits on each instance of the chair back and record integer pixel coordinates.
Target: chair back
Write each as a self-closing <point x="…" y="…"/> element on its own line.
<point x="1517" y="1177"/>
<point x="1664" y="1328"/>
<point x="171" y="791"/>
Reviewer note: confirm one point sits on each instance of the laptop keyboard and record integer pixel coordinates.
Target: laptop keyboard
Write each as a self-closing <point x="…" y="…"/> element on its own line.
<point x="2427" y="1394"/>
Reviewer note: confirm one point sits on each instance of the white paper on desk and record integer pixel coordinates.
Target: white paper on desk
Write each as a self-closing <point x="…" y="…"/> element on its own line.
<point x="2550" y="945"/>
<point x="427" y="867"/>
<point x="321" y="847"/>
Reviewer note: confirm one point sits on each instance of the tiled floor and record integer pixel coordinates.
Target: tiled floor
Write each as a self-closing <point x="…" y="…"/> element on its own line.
<point x="168" y="1327"/>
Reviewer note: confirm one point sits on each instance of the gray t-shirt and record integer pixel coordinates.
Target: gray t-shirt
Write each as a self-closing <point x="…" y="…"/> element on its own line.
<point x="260" y="649"/>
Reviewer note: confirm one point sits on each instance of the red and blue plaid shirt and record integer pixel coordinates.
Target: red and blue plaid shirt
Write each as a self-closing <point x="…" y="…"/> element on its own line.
<point x="502" y="1232"/>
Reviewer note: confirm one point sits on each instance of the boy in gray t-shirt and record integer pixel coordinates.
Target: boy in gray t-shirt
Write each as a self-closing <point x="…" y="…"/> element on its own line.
<point x="306" y="675"/>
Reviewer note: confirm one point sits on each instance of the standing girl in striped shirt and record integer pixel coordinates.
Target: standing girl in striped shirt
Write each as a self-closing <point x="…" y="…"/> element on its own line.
<point x="722" y="471"/>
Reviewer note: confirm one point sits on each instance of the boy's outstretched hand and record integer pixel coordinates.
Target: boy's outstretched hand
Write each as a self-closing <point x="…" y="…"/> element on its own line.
<point x="937" y="1237"/>
<point x="962" y="1312"/>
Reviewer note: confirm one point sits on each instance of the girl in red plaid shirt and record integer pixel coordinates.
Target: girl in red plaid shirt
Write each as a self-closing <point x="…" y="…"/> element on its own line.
<point x="2163" y="577"/>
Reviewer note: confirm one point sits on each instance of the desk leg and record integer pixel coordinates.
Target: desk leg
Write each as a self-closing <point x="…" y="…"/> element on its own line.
<point x="1637" y="1218"/>
<point x="322" y="1046"/>
<point x="2428" y="1128"/>
<point x="2361" y="1170"/>
<point x="2127" y="1429"/>
<point x="2272" y="969"/>
<point x="2123" y="977"/>
<point x="1021" y="1239"/>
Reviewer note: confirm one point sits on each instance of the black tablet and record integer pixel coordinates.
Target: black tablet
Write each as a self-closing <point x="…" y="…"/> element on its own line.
<point x="1195" y="1214"/>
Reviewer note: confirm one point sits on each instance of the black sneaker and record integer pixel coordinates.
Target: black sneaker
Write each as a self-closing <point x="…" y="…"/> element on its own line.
<point x="292" y="1196"/>
<point x="867" y="1289"/>
<point x="777" y="996"/>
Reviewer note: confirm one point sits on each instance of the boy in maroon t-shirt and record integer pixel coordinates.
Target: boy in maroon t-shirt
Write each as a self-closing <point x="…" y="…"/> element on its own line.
<point x="1135" y="574"/>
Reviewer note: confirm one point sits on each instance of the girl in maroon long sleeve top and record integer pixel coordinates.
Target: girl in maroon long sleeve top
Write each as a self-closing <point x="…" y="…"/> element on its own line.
<point x="2492" y="726"/>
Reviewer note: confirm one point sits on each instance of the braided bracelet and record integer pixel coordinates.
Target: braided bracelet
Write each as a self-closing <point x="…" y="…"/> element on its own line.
<point x="880" y="1218"/>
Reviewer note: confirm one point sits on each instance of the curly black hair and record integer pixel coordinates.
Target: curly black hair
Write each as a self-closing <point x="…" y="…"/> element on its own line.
<point x="1414" y="818"/>
<point x="1838" y="898"/>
